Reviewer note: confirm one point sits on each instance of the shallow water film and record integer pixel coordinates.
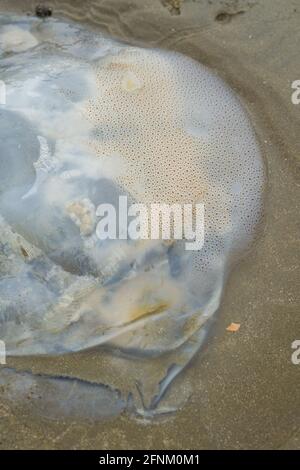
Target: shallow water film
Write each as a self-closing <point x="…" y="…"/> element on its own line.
<point x="106" y="311"/>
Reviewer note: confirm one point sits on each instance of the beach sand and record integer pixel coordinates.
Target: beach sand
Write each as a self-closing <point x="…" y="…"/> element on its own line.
<point x="245" y="391"/>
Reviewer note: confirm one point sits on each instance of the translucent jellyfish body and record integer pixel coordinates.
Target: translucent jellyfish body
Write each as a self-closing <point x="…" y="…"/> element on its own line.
<point x="86" y="120"/>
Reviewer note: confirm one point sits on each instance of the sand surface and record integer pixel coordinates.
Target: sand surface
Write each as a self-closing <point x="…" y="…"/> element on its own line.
<point x="245" y="391"/>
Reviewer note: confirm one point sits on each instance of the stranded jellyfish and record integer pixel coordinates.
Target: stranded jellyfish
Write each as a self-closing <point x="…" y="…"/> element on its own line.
<point x="87" y="120"/>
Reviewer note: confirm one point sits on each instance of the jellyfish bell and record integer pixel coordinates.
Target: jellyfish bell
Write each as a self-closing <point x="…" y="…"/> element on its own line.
<point x="88" y="119"/>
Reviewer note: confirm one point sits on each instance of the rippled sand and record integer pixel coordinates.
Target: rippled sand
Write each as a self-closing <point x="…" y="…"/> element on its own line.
<point x="243" y="390"/>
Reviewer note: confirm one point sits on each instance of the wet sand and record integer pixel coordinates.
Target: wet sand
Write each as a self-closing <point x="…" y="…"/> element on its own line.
<point x="244" y="391"/>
